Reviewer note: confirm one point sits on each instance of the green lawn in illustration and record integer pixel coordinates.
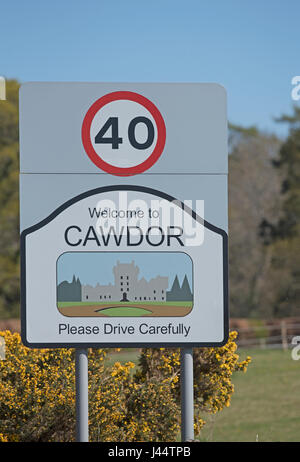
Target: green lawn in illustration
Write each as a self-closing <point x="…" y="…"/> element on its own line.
<point x="124" y="311"/>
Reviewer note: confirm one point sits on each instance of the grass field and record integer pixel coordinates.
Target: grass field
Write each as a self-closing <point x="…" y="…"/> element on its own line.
<point x="126" y="354"/>
<point x="265" y="404"/>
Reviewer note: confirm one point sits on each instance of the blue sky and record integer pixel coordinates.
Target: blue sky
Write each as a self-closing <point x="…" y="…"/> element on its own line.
<point x="94" y="267"/>
<point x="252" y="47"/>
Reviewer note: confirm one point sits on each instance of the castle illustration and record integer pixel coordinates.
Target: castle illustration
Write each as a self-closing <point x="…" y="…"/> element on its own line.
<point x="127" y="287"/>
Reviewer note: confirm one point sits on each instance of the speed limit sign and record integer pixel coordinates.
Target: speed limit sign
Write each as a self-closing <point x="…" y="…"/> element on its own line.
<point x="123" y="133"/>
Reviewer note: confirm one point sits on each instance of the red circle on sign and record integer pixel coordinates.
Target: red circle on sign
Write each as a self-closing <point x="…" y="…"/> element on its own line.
<point x="86" y="138"/>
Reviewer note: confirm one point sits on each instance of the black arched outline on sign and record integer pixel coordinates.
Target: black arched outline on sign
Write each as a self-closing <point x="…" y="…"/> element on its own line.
<point x="105" y="189"/>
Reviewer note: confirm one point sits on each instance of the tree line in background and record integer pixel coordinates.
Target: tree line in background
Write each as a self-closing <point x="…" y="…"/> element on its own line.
<point x="264" y="211"/>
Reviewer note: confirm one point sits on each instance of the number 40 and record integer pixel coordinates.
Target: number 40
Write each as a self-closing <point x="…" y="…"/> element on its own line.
<point x="115" y="140"/>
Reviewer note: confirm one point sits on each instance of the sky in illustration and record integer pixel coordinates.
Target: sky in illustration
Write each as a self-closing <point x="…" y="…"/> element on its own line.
<point x="97" y="267"/>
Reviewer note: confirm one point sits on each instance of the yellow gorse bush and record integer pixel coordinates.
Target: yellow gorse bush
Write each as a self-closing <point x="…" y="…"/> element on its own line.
<point x="127" y="403"/>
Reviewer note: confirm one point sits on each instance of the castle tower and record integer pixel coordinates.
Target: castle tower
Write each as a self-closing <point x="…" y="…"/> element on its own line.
<point x="126" y="278"/>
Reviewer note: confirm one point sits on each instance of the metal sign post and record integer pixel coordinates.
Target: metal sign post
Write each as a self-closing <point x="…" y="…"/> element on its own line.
<point x="187" y="394"/>
<point x="82" y="396"/>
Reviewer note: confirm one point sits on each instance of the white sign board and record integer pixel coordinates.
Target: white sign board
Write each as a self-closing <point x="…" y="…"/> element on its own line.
<point x="123" y="215"/>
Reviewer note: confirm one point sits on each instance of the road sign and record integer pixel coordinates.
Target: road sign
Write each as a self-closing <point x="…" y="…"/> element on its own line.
<point x="123" y="215"/>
